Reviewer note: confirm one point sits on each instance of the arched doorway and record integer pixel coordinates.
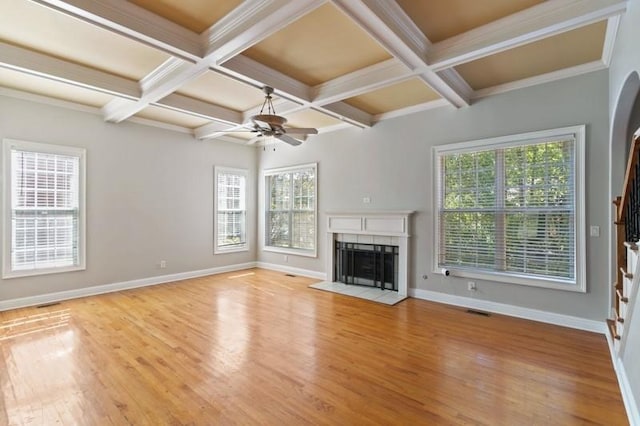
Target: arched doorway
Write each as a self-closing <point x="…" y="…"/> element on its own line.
<point x="624" y="123"/>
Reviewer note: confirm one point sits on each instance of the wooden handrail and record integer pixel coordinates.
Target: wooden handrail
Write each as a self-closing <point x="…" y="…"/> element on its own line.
<point x="628" y="177"/>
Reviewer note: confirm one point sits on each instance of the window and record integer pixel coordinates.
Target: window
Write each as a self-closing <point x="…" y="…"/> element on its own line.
<point x="44" y="212"/>
<point x="511" y="209"/>
<point x="290" y="206"/>
<point x="231" y="210"/>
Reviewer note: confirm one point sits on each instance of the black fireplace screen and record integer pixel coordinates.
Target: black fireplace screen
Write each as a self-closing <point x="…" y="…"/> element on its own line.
<point x="372" y="265"/>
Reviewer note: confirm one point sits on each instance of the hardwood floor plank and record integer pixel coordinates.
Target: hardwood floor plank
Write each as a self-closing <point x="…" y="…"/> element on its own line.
<point x="259" y="347"/>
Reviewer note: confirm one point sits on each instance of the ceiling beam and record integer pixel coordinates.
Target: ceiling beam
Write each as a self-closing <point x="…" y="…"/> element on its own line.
<point x="543" y="20"/>
<point x="250" y="23"/>
<point x="163" y="81"/>
<point x="131" y="21"/>
<point x="213" y="130"/>
<point x="196" y="107"/>
<point x="389" y="25"/>
<point x="127" y="92"/>
<point x="227" y="36"/>
<point x="252" y="72"/>
<point x="361" y="81"/>
<point x="41" y="65"/>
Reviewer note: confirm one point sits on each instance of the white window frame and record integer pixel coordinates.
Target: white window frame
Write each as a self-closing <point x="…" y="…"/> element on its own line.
<point x="580" y="284"/>
<point x="237" y="247"/>
<point x="290" y="250"/>
<point x="7" y="146"/>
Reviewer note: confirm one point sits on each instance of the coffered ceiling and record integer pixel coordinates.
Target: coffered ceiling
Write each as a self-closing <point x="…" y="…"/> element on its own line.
<point x="199" y="65"/>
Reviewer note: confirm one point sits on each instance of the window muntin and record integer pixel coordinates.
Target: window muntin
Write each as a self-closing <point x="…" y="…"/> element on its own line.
<point x="290" y="209"/>
<point x="231" y="210"/>
<point x="511" y="209"/>
<point x="44" y="208"/>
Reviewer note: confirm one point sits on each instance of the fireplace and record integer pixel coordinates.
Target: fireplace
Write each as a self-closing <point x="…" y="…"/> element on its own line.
<point x="370" y="265"/>
<point x="354" y="239"/>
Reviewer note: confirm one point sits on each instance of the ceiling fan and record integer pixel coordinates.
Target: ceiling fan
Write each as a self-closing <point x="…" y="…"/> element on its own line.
<point x="268" y="123"/>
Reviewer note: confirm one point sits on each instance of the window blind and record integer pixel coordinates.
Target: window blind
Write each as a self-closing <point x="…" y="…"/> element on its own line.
<point x="44" y="210"/>
<point x="510" y="209"/>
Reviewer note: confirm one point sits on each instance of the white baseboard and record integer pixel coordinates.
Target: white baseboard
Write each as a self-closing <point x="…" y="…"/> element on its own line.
<point x="292" y="270"/>
<point x="512" y="311"/>
<point x="109" y="288"/>
<point x="633" y="411"/>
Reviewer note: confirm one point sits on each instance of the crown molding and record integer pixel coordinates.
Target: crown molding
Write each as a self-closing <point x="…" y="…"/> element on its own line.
<point x="438" y="103"/>
<point x="541" y="79"/>
<point x="74" y="106"/>
<point x="543" y="20"/>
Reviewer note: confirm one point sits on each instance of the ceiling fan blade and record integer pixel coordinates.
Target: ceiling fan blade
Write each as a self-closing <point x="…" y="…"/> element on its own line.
<point x="301" y="130"/>
<point x="288" y="139"/>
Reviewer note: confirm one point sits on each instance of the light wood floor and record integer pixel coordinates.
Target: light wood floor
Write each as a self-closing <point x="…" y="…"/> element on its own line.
<point x="258" y="347"/>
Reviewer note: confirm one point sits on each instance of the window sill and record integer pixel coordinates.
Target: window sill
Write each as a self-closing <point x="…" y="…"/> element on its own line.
<point x="293" y="251"/>
<point x="517" y="279"/>
<point x="31" y="273"/>
<point x="240" y="249"/>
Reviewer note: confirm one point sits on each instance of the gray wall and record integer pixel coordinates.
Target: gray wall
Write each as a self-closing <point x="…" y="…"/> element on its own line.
<point x="149" y="196"/>
<point x="392" y="164"/>
<point x="626" y="59"/>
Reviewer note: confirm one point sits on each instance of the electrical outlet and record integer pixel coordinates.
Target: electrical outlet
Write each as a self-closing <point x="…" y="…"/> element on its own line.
<point x="471" y="286"/>
<point x="286" y="258"/>
<point x="366" y="200"/>
<point x="594" y="231"/>
<point x="163" y="264"/>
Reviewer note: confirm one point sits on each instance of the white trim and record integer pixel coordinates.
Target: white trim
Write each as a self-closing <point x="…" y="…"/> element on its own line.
<point x="512" y="311"/>
<point x="263" y="209"/>
<point x="541" y="79"/>
<point x="613" y="24"/>
<point x="291" y="270"/>
<point x="579" y="133"/>
<point x="134" y="23"/>
<point x="633" y="411"/>
<point x="438" y="103"/>
<point x="46" y="100"/>
<point x="198" y="108"/>
<point x="41" y="65"/>
<point x="364" y="80"/>
<point x="537" y="22"/>
<point x="240" y="247"/>
<point x="389" y="25"/>
<point x="7" y="177"/>
<point x="251" y="22"/>
<point x="110" y="288"/>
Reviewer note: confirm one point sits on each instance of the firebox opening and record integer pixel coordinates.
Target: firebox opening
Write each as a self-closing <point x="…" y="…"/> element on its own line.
<point x="370" y="265"/>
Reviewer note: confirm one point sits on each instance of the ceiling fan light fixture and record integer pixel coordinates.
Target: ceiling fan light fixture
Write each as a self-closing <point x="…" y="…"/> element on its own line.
<point x="271" y="119"/>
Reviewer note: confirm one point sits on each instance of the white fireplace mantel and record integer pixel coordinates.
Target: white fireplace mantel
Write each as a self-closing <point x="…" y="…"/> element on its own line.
<point x="393" y="224"/>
